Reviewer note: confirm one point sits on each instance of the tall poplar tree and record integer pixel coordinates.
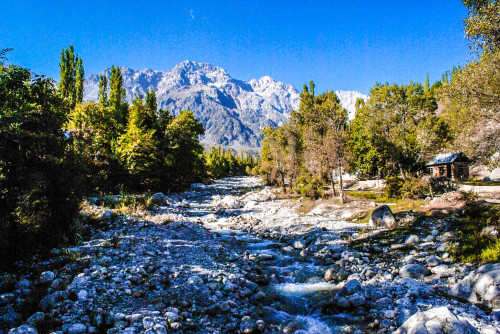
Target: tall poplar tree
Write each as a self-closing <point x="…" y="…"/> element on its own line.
<point x="117" y="96"/>
<point x="103" y="90"/>
<point x="71" y="73"/>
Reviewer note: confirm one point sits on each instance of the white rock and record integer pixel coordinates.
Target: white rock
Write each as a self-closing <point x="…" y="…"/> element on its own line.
<point x="436" y="321"/>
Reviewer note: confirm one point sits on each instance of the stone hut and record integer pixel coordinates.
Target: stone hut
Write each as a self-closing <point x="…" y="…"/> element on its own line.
<point x="454" y="166"/>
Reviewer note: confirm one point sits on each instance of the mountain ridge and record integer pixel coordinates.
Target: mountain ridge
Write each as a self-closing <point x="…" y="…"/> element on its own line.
<point x="232" y="111"/>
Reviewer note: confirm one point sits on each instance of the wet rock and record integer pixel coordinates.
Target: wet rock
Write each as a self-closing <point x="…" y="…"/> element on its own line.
<point x="24" y="329"/>
<point x="351" y="287"/>
<point x="292" y="327"/>
<point x="77" y="329"/>
<point x="335" y="273"/>
<point x="481" y="286"/>
<point x="357" y="300"/>
<point x="10" y="319"/>
<point x="382" y="217"/>
<point x="47" y="277"/>
<point x="248" y="325"/>
<point x="299" y="244"/>
<point x="413" y="271"/>
<point x="36" y="319"/>
<point x="436" y="320"/>
<point x="195" y="280"/>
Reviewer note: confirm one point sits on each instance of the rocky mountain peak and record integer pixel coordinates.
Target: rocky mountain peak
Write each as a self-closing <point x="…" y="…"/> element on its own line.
<point x="232" y="111"/>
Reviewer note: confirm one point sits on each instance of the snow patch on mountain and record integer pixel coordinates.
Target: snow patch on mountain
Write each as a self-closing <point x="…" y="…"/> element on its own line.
<point x="232" y="111"/>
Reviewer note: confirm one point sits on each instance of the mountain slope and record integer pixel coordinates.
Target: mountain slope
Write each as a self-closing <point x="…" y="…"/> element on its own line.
<point x="232" y="111"/>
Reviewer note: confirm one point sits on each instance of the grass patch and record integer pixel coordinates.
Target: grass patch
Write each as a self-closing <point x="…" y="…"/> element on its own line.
<point x="475" y="228"/>
<point x="479" y="183"/>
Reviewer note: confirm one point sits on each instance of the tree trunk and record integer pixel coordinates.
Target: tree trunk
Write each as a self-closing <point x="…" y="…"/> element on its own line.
<point x="283" y="182"/>
<point x="341" y="187"/>
<point x="333" y="184"/>
<point x="403" y="175"/>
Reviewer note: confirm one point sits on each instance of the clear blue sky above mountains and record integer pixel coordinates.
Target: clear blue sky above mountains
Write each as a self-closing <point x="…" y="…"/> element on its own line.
<point x="341" y="45"/>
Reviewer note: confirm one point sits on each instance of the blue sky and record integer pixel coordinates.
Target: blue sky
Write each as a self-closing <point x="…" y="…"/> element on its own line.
<point x="341" y="45"/>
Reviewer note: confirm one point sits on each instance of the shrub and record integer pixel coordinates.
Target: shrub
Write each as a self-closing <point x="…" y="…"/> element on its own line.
<point x="309" y="186"/>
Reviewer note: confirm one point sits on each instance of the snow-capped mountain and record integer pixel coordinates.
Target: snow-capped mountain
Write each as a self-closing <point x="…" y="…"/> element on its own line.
<point x="348" y="100"/>
<point x="232" y="111"/>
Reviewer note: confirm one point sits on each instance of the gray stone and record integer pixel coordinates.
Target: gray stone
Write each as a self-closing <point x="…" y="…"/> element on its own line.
<point x="77" y="329"/>
<point x="36" y="319"/>
<point x="351" y="287"/>
<point x="412" y="239"/>
<point x="24" y="329"/>
<point x="413" y="271"/>
<point x="481" y="286"/>
<point x="382" y="217"/>
<point x="432" y="261"/>
<point x="436" y="321"/>
<point x="357" y="299"/>
<point x="247" y="325"/>
<point x="47" y="277"/>
<point x="107" y="215"/>
<point x="158" y="198"/>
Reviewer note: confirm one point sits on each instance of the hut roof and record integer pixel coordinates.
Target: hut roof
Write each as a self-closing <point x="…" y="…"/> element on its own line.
<point x="447" y="158"/>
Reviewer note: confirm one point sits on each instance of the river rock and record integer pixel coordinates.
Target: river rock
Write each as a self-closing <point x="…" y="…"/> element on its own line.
<point x="412" y="239"/>
<point x="481" y="286"/>
<point x="158" y="198"/>
<point x="413" y="271"/>
<point x="77" y="329"/>
<point x="351" y="287"/>
<point x="47" y="277"/>
<point x="24" y="329"/>
<point x="436" y="321"/>
<point x="382" y="217"/>
<point x="247" y="325"/>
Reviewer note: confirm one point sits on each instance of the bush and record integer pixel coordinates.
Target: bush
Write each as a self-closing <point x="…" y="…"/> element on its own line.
<point x="411" y="188"/>
<point x="309" y="186"/>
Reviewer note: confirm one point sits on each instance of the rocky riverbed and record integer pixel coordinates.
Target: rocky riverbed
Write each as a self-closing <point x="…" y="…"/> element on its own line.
<point x="231" y="258"/>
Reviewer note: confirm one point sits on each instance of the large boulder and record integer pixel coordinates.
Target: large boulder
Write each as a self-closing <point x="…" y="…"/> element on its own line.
<point x="435" y="321"/>
<point x="382" y="217"/>
<point x="413" y="270"/>
<point x="481" y="286"/>
<point x="158" y="198"/>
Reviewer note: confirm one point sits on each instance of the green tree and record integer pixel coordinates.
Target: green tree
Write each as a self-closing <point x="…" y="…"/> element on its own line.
<point x="482" y="27"/>
<point x="117" y="97"/>
<point x="135" y="147"/>
<point x="72" y="76"/>
<point x="39" y="193"/>
<point x="386" y="130"/>
<point x="102" y="95"/>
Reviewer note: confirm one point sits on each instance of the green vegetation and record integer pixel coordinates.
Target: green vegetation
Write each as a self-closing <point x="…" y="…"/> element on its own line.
<point x="221" y="163"/>
<point x="55" y="150"/>
<point x="477" y="229"/>
<point x="39" y="176"/>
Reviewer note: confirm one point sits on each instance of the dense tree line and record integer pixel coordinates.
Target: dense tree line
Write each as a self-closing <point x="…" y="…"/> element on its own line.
<point x="222" y="163"/>
<point x="400" y="127"/>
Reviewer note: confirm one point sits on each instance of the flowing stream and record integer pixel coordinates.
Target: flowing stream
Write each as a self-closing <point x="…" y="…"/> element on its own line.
<point x="297" y="287"/>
